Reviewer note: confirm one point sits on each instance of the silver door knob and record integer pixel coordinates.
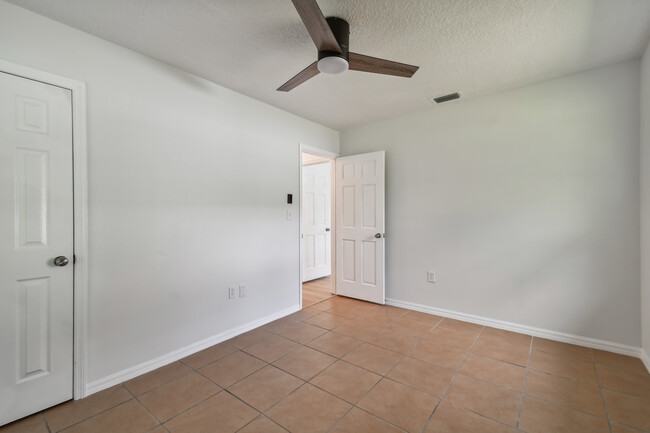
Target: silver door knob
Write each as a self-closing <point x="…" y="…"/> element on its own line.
<point x="378" y="235"/>
<point x="61" y="261"/>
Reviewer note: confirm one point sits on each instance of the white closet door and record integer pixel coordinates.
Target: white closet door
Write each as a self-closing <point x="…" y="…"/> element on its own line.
<point x="36" y="226"/>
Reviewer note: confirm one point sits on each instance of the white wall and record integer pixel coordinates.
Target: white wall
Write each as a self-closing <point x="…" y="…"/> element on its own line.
<point x="187" y="194"/>
<point x="645" y="204"/>
<point x="525" y="203"/>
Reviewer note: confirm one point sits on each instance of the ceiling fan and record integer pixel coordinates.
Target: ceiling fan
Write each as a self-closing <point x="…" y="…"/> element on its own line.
<point x="331" y="37"/>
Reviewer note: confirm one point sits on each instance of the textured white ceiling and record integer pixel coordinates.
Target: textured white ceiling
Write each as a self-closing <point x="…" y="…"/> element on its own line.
<point x="472" y="46"/>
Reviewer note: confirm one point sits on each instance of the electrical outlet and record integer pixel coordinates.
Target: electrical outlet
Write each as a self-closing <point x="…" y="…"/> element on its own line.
<point x="231" y="292"/>
<point x="242" y="291"/>
<point x="431" y="277"/>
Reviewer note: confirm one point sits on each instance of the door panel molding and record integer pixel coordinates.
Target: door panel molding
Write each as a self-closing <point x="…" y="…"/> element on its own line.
<point x="80" y="210"/>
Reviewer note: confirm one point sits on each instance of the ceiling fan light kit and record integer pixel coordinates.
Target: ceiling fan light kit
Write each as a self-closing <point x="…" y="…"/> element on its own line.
<point x="331" y="37"/>
<point x="333" y="65"/>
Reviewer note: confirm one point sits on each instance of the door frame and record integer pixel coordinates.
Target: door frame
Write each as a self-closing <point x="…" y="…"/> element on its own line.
<point x="80" y="212"/>
<point x="332" y="156"/>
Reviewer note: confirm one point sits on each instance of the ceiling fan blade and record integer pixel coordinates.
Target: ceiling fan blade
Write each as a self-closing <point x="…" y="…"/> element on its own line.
<point x="307" y="73"/>
<point x="359" y="62"/>
<point x="316" y="25"/>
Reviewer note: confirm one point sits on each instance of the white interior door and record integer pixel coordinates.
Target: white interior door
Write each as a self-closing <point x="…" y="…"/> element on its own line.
<point x="316" y="216"/>
<point x="36" y="225"/>
<point x="360" y="227"/>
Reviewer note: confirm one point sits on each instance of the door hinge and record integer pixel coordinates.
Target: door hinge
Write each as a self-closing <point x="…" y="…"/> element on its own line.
<point x="74" y="259"/>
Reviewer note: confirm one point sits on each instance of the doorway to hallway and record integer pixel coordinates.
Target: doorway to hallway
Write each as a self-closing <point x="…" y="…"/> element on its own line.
<point x="316" y="290"/>
<point x="316" y="228"/>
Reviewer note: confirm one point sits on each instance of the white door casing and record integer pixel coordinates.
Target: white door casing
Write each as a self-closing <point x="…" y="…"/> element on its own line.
<point x="36" y="225"/>
<point x="360" y="227"/>
<point x="316" y="224"/>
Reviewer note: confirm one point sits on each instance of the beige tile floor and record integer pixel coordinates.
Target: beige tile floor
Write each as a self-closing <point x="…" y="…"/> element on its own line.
<point x="347" y="366"/>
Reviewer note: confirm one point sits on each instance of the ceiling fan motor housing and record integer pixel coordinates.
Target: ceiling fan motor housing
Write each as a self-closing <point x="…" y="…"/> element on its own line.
<point x="341" y="30"/>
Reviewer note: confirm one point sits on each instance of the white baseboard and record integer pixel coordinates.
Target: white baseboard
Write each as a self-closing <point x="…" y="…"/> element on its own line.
<point x="145" y="367"/>
<point x="646" y="359"/>
<point x="528" y="330"/>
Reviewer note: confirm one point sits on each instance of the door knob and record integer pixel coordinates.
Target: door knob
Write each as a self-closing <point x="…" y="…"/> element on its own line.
<point x="327" y="229"/>
<point x="378" y="235"/>
<point x="61" y="261"/>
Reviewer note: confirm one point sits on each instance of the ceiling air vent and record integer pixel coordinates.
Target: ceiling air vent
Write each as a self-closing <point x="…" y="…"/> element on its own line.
<point x="445" y="98"/>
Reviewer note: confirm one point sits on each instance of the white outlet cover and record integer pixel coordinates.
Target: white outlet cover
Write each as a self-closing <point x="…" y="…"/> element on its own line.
<point x="231" y="292"/>
<point x="242" y="291"/>
<point x="291" y="214"/>
<point x="431" y="276"/>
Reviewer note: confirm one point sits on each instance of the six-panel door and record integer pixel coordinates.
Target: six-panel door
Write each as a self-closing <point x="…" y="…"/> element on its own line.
<point x="360" y="227"/>
<point x="36" y="225"/>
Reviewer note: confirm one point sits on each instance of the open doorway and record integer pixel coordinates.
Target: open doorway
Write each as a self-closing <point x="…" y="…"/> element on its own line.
<point x="317" y="227"/>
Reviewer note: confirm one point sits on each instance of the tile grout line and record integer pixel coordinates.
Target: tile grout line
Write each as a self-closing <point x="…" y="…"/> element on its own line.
<point x="203" y="401"/>
<point x="162" y="423"/>
<point x="571" y="379"/>
<point x="162" y="384"/>
<point x="224" y="389"/>
<point x="559" y="405"/>
<point x="453" y="378"/>
<point x="491" y="420"/>
<point x="579" y="381"/>
<point x="321" y="351"/>
<point x="95" y="415"/>
<point x="382" y="377"/>
<point x="261" y="415"/>
<point x="239" y="380"/>
<point x="602" y="394"/>
<point x="143" y="406"/>
<point x="523" y="390"/>
<point x="47" y="426"/>
<point x="159" y="425"/>
<point x="372" y="415"/>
